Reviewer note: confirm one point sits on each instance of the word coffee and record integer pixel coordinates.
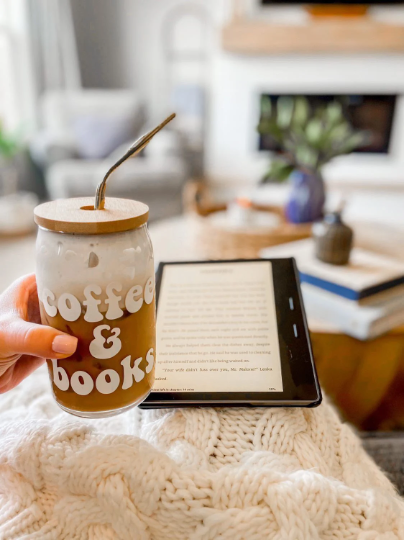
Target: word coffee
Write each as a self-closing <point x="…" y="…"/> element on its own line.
<point x="70" y="308"/>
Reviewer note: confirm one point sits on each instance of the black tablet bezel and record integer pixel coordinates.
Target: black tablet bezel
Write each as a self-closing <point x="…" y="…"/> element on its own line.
<point x="299" y="376"/>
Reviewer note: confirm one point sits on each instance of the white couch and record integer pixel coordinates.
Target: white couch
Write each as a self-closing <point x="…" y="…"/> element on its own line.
<point x="83" y="134"/>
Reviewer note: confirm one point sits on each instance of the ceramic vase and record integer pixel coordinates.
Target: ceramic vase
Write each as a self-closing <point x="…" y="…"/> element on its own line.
<point x="307" y="197"/>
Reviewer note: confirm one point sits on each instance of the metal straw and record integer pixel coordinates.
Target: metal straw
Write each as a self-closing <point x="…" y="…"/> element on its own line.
<point x="136" y="147"/>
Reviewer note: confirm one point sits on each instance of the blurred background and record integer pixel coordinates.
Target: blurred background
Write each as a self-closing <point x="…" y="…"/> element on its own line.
<point x="288" y="141"/>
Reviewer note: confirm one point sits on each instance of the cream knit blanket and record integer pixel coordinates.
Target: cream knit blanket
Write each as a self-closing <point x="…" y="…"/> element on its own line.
<point x="255" y="474"/>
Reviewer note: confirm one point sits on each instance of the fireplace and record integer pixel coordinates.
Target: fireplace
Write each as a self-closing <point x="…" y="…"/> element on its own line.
<point x="372" y="86"/>
<point x="373" y="113"/>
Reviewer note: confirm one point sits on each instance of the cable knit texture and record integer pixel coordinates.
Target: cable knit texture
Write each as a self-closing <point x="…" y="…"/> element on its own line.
<point x="206" y="474"/>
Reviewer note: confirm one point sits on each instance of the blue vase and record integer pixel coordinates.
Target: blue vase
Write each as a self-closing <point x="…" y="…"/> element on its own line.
<point x="307" y="198"/>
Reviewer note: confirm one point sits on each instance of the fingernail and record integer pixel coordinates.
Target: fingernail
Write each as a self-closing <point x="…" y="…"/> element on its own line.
<point x="64" y="344"/>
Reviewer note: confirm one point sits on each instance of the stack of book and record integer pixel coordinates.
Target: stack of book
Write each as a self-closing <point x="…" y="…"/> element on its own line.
<point x="363" y="299"/>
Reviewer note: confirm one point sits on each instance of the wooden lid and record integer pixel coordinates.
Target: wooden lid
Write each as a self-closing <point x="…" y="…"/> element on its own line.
<point x="77" y="216"/>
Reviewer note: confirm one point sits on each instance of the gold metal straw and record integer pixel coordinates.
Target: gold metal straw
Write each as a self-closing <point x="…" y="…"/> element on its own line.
<point x="136" y="147"/>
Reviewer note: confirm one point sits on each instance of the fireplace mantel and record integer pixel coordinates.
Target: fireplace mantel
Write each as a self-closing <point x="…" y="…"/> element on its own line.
<point x="334" y="35"/>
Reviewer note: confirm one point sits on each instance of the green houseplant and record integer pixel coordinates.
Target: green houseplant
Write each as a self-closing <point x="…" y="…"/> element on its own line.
<point x="10" y="148"/>
<point x="16" y="205"/>
<point x="305" y="139"/>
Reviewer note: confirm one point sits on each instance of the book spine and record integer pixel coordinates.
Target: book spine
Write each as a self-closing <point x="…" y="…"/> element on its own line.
<point x="387" y="323"/>
<point x="339" y="290"/>
<point x="346" y="292"/>
<point x="359" y="322"/>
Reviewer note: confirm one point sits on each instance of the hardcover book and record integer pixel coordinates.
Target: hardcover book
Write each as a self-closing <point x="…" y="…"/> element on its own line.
<point x="368" y="274"/>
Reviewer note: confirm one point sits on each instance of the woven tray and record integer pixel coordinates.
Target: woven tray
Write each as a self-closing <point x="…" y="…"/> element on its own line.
<point x="220" y="242"/>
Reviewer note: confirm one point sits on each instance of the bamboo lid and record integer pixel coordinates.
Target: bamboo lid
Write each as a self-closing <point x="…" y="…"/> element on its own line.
<point x="78" y="216"/>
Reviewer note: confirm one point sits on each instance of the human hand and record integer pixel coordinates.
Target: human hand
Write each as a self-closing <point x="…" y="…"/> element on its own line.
<point x="24" y="341"/>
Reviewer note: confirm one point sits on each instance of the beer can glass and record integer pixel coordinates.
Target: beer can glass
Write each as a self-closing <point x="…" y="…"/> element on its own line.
<point x="95" y="278"/>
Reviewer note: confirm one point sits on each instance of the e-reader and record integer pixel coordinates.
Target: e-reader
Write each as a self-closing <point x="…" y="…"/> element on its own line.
<point x="232" y="333"/>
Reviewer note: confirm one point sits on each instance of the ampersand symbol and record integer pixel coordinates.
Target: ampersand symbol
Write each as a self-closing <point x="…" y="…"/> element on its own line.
<point x="97" y="346"/>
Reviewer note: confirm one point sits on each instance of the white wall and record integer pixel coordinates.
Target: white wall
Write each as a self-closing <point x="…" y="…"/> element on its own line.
<point x="143" y="24"/>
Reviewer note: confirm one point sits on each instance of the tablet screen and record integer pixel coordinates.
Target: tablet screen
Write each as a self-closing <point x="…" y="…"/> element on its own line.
<point x="217" y="329"/>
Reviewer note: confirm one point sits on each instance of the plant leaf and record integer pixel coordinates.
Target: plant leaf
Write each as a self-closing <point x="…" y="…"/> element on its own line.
<point x="272" y="130"/>
<point x="353" y="141"/>
<point x="301" y="111"/>
<point x="266" y="107"/>
<point x="285" y="106"/>
<point x="333" y="113"/>
<point x="306" y="156"/>
<point x="9" y="144"/>
<point x="279" y="171"/>
<point x="314" y="131"/>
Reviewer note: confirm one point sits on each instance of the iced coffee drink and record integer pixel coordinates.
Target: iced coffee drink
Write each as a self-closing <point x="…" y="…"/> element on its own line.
<point x="95" y="276"/>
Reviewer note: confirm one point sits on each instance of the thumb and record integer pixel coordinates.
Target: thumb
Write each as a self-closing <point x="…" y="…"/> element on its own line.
<point x="23" y="337"/>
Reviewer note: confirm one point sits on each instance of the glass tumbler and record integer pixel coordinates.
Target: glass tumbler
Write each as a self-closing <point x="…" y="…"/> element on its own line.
<point x="95" y="277"/>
